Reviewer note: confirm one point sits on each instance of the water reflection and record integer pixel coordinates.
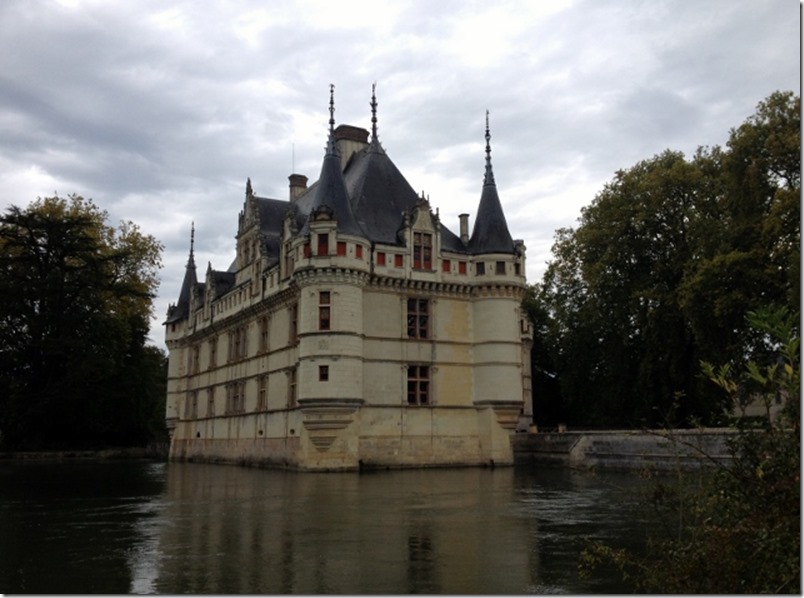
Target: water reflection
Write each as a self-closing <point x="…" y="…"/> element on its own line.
<point x="190" y="528"/>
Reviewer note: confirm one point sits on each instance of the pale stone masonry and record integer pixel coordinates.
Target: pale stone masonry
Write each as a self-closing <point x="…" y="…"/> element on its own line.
<point x="353" y="329"/>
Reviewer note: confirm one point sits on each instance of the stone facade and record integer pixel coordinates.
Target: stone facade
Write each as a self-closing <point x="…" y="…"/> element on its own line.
<point x="353" y="329"/>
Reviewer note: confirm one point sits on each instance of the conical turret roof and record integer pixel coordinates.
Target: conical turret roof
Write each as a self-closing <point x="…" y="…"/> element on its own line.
<point x="182" y="309"/>
<point x="330" y="192"/>
<point x="490" y="233"/>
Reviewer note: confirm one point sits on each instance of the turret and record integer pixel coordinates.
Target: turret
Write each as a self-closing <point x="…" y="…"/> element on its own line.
<point x="490" y="233"/>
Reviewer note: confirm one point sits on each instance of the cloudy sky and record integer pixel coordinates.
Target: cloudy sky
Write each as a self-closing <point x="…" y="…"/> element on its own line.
<point x="159" y="110"/>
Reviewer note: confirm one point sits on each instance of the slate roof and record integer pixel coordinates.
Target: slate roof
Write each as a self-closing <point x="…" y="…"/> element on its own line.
<point x="490" y="233"/>
<point x="379" y="194"/>
<point x="271" y="213"/>
<point x="368" y="199"/>
<point x="182" y="308"/>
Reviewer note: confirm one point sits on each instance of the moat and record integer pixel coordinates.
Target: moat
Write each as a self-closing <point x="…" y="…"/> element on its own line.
<point x="117" y="527"/>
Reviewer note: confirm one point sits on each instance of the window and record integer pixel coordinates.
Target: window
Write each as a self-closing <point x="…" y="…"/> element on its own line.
<point x="418" y="318"/>
<point x="191" y="406"/>
<point x="323" y="244"/>
<point x="288" y="259"/>
<point x="323" y="373"/>
<point x="341" y="248"/>
<point x="418" y="385"/>
<point x="461" y="267"/>
<point x="398" y="260"/>
<point x="480" y="268"/>
<point x="292" y="387"/>
<point x="235" y="397"/>
<point x="446" y="265"/>
<point x="422" y="251"/>
<point x="242" y="350"/>
<point x="264" y="333"/>
<point x="211" y="401"/>
<point x="324" y="314"/>
<point x="499" y="268"/>
<point x="262" y="393"/>
<point x="380" y="258"/>
<point x="293" y="318"/>
<point x="359" y="252"/>
<point x="213" y="352"/>
<point x="238" y="344"/>
<point x="517" y="269"/>
<point x="306" y="250"/>
<point x="195" y="353"/>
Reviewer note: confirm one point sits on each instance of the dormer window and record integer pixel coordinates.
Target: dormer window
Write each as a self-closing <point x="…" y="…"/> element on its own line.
<point x="422" y="251"/>
<point x="323" y="244"/>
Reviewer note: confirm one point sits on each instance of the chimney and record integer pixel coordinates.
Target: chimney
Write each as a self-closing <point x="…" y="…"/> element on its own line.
<point x="298" y="185"/>
<point x="464" y="228"/>
<point x="350" y="140"/>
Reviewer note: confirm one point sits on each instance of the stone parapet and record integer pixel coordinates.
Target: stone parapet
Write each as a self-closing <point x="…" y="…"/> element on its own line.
<point x="623" y="449"/>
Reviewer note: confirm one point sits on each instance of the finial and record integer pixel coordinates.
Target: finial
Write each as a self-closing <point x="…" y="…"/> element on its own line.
<point x="249" y="191"/>
<point x="373" y="112"/>
<point x="331" y="107"/>
<point x="489" y="177"/>
<point x="191" y="260"/>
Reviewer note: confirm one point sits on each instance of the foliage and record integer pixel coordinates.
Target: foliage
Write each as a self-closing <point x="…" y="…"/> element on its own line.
<point x="660" y="271"/>
<point x="75" y="303"/>
<point x="741" y="532"/>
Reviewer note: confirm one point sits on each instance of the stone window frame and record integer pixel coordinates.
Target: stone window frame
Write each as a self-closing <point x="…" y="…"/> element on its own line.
<point x="325" y="310"/>
<point x="418" y="385"/>
<point x="422" y="251"/>
<point x="418" y="318"/>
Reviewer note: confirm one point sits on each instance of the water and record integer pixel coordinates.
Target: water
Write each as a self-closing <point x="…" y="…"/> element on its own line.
<point x="148" y="527"/>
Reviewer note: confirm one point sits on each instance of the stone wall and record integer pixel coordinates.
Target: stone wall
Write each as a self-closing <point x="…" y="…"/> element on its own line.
<point x="624" y="449"/>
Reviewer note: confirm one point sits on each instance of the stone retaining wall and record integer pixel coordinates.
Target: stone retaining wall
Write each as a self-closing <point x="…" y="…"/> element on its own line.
<point x="624" y="449"/>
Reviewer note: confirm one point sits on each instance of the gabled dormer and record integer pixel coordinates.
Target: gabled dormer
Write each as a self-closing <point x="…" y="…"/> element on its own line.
<point x="420" y="233"/>
<point x="248" y="229"/>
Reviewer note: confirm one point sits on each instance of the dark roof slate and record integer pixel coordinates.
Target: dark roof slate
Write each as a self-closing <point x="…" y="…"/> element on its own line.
<point x="330" y="193"/>
<point x="379" y="194"/>
<point x="182" y="308"/>
<point x="490" y="233"/>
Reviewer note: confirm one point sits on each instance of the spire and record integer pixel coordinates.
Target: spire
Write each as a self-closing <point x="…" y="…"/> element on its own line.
<point x="249" y="190"/>
<point x="490" y="233"/>
<point x="332" y="149"/>
<point x="488" y="179"/>
<point x="331" y="195"/>
<point x="191" y="261"/>
<point x="182" y="307"/>
<point x="374" y="138"/>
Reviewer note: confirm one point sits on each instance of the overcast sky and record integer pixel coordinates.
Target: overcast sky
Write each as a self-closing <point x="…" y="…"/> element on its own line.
<point x="159" y="110"/>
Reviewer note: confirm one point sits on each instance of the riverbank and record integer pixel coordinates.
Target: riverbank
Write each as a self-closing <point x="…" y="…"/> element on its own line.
<point x="156" y="451"/>
<point x="625" y="449"/>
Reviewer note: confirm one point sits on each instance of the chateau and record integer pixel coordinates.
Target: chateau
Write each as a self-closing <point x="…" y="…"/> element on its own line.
<point x="353" y="329"/>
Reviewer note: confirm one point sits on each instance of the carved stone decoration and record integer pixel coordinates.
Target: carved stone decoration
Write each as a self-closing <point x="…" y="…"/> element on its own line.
<point x="324" y="418"/>
<point x="507" y="412"/>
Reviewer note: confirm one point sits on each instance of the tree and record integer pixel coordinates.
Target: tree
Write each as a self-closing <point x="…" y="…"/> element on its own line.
<point x="661" y="269"/>
<point x="741" y="532"/>
<point x="749" y="245"/>
<point x="75" y="302"/>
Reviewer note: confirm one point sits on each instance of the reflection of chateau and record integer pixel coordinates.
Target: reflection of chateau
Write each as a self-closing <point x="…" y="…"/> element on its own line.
<point x="353" y="328"/>
<point x="246" y="531"/>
